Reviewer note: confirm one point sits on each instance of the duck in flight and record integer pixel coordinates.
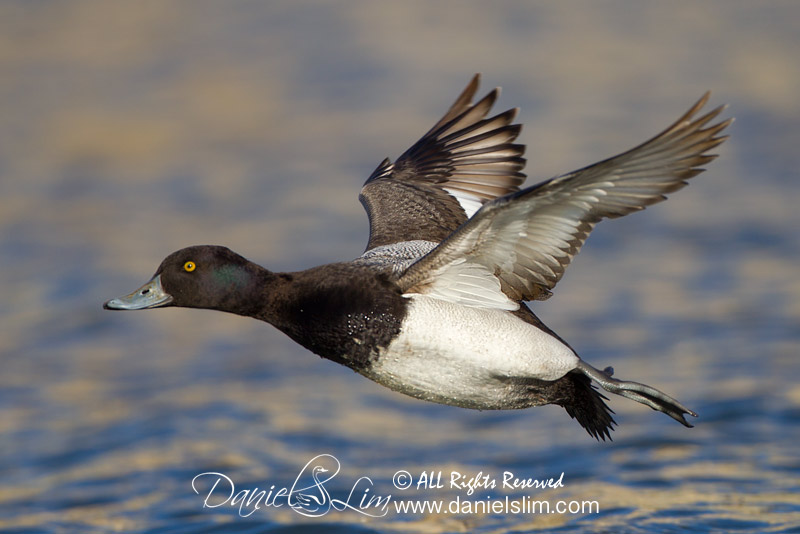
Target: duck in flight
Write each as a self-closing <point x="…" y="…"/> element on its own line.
<point x="436" y="306"/>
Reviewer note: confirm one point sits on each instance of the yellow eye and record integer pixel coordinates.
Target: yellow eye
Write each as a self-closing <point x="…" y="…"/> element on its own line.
<point x="189" y="266"/>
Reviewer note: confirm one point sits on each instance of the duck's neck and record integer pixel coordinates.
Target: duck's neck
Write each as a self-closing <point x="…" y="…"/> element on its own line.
<point x="290" y="302"/>
<point x="255" y="292"/>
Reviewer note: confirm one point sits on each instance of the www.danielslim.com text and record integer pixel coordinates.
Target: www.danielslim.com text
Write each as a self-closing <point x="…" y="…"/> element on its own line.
<point x="507" y="505"/>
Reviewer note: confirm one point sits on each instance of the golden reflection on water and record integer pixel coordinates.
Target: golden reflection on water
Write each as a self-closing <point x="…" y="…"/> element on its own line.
<point x="131" y="130"/>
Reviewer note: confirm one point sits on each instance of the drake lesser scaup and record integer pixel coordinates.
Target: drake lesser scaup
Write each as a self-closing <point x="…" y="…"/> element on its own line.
<point x="436" y="306"/>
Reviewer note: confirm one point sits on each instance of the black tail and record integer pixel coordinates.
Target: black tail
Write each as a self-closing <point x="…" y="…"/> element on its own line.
<point x="585" y="404"/>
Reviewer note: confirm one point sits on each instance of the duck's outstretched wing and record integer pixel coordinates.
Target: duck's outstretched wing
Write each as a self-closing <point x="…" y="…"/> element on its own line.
<point x="464" y="161"/>
<point x="518" y="246"/>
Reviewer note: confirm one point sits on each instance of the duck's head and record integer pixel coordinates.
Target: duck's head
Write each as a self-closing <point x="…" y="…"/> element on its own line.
<point x="201" y="276"/>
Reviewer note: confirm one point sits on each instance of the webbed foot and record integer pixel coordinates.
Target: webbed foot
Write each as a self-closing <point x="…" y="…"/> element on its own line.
<point x="641" y="393"/>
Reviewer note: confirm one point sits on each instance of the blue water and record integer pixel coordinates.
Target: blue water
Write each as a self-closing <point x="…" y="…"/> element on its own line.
<point x="132" y="130"/>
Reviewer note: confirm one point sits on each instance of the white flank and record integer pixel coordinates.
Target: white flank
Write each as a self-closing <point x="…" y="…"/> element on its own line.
<point x="459" y="355"/>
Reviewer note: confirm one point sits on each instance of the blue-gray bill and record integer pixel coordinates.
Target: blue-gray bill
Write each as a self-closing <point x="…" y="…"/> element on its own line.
<point x="150" y="295"/>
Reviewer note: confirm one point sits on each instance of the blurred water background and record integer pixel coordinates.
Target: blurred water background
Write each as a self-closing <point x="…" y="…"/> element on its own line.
<point x="131" y="129"/>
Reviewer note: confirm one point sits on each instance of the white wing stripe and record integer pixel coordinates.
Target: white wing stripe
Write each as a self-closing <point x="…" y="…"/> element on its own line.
<point x="469" y="203"/>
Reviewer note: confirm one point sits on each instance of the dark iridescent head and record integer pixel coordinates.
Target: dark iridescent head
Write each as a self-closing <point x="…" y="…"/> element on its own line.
<point x="201" y="276"/>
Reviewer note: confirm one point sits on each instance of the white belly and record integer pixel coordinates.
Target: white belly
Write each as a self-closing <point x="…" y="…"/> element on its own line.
<point x="459" y="355"/>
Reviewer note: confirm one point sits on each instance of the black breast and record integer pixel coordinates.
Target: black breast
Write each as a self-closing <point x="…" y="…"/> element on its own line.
<point x="342" y="312"/>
